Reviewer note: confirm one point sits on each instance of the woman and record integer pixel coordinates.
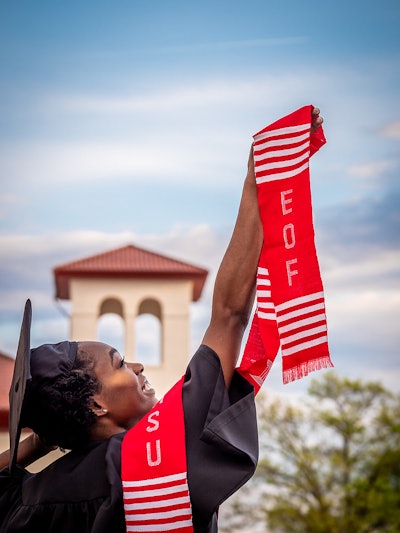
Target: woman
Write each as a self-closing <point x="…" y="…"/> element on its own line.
<point x="84" y="398"/>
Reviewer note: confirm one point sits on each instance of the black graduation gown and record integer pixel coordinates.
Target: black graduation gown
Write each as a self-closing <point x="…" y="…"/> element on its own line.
<point x="81" y="492"/>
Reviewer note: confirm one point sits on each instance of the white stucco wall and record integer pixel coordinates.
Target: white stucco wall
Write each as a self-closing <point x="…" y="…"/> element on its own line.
<point x="174" y="298"/>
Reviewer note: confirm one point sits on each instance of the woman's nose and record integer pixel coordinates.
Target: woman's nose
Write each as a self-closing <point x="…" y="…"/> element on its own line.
<point x="137" y="368"/>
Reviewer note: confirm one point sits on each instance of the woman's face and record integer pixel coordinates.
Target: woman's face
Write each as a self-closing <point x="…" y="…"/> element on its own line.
<point x="125" y="392"/>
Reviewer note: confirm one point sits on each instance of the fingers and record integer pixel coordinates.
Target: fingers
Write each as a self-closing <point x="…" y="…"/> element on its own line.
<point x="316" y="119"/>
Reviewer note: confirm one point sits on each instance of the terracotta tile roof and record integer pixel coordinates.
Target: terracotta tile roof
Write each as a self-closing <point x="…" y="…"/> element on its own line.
<point x="6" y="372"/>
<point x="128" y="262"/>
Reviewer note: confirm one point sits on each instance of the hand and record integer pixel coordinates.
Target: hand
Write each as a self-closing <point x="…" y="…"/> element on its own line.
<point x="316" y="120"/>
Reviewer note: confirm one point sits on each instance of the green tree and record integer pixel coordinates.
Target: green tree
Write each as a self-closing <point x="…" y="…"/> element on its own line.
<point x="330" y="463"/>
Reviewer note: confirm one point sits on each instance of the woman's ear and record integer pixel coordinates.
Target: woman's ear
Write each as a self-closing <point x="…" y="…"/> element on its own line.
<point x="98" y="410"/>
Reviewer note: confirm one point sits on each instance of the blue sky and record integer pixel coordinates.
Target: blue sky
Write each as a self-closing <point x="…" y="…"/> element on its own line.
<point x="130" y="122"/>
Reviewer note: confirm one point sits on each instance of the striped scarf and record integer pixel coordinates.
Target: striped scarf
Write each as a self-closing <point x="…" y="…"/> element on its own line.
<point x="290" y="313"/>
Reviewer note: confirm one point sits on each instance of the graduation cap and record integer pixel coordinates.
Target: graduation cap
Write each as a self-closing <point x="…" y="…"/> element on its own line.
<point x="40" y="366"/>
<point x="21" y="374"/>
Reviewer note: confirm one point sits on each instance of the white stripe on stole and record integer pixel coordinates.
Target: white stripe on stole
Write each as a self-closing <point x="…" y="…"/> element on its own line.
<point x="263" y="294"/>
<point x="300" y="323"/>
<point x="304" y="345"/>
<point x="159" y="497"/>
<point x="281" y="153"/>
<point x="151" y="493"/>
<point x="155" y="480"/>
<point x="261" y="271"/>
<point x="305" y="333"/>
<point x="258" y="147"/>
<point x="266" y="316"/>
<point x="283" y="164"/>
<point x="299" y="312"/>
<point x="265" y="310"/>
<point x="266" y="305"/>
<point x="305" y="305"/>
<point x="158" y="504"/>
<point x="281" y="175"/>
<point x="159" y="527"/>
<point x="300" y="300"/>
<point x="283" y="131"/>
<point x="139" y="517"/>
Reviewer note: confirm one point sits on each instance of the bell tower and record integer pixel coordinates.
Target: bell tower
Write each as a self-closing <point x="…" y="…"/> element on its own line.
<point x="129" y="282"/>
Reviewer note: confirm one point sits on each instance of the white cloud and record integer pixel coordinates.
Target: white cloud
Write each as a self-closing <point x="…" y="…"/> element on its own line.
<point x="194" y="129"/>
<point x="364" y="334"/>
<point x="341" y="274"/>
<point x="16" y="247"/>
<point x="169" y="157"/>
<point x="197" y="243"/>
<point x="366" y="313"/>
<point x="197" y="96"/>
<point x="58" y="162"/>
<point x="200" y="95"/>
<point x="373" y="169"/>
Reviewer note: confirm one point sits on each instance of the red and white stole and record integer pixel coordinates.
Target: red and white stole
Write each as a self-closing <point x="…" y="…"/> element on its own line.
<point x="290" y="311"/>
<point x="153" y="470"/>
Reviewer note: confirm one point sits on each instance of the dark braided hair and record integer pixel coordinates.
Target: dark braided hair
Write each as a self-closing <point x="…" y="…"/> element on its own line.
<point x="60" y="411"/>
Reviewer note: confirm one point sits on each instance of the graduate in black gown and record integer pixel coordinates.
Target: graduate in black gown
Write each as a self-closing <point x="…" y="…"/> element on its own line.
<point x="83" y="398"/>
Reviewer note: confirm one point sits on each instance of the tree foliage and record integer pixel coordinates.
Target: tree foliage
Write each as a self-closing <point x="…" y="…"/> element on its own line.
<point x="330" y="463"/>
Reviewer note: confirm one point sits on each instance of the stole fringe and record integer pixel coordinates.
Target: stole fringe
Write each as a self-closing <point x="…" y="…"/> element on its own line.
<point x="303" y="369"/>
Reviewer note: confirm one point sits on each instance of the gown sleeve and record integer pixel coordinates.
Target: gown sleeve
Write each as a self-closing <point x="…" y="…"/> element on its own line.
<point x="10" y="492"/>
<point x="221" y="435"/>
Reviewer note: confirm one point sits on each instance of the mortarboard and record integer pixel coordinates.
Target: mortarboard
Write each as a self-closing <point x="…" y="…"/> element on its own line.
<point x="40" y="366"/>
<point x="18" y="383"/>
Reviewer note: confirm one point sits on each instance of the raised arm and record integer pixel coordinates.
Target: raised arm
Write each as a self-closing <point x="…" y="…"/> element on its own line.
<point x="234" y="288"/>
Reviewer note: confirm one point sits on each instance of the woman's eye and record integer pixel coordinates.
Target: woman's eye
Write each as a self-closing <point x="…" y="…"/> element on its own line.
<point x="122" y="363"/>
